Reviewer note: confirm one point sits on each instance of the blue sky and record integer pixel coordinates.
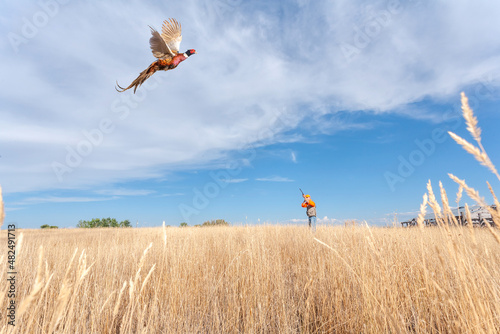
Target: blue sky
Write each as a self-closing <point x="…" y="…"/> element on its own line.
<point x="348" y="100"/>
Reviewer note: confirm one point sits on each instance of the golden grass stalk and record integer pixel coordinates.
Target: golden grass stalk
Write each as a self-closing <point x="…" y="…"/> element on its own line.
<point x="64" y="296"/>
<point x="130" y="308"/>
<point x="497" y="204"/>
<point x="420" y="223"/>
<point x="147" y="277"/>
<point x="459" y="197"/>
<point x="475" y="151"/>
<point x="23" y="306"/>
<point x="106" y="302"/>
<point x="433" y="203"/>
<point x="473" y="128"/>
<point x="360" y="280"/>
<point x="474" y="194"/>
<point x="421" y="215"/>
<point x="117" y="304"/>
<point x="444" y="202"/>
<point x="446" y="206"/>
<point x="131" y="289"/>
<point x="19" y="246"/>
<point x="164" y="236"/>
<point x="470" y="119"/>
<point x="2" y="210"/>
<point x="141" y="263"/>
<point x="375" y="299"/>
<point x="133" y="297"/>
<point x="459" y="194"/>
<point x="81" y="273"/>
<point x="480" y="155"/>
<point x="469" y="224"/>
<point x="341" y="258"/>
<point x="48" y="279"/>
<point x="83" y="270"/>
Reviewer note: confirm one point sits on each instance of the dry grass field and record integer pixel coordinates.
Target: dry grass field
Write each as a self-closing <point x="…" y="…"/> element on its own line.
<point x="266" y="279"/>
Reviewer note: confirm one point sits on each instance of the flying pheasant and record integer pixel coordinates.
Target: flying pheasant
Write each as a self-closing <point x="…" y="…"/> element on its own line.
<point x="165" y="47"/>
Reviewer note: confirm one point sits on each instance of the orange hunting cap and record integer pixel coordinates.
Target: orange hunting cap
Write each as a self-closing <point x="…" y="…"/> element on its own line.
<point x="308" y="196"/>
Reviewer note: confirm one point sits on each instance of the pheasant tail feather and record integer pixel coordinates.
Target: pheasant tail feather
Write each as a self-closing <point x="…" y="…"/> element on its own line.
<point x="141" y="78"/>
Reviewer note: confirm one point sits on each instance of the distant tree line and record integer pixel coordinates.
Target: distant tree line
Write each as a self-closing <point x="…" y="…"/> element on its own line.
<point x="48" y="226"/>
<point x="104" y="222"/>
<point x="216" y="222"/>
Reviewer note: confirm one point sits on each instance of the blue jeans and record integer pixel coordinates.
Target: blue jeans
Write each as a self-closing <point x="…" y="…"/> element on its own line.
<point x="312" y="223"/>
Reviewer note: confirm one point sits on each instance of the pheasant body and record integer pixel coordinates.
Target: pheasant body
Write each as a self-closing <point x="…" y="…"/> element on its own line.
<point x="165" y="47"/>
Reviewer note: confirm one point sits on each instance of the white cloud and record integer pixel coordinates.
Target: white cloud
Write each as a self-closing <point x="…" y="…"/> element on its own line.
<point x="331" y="221"/>
<point x="293" y="156"/>
<point x="274" y="179"/>
<point x="59" y="199"/>
<point x="125" y="192"/>
<point x="173" y="194"/>
<point x="235" y="180"/>
<point x="297" y="220"/>
<point x="262" y="68"/>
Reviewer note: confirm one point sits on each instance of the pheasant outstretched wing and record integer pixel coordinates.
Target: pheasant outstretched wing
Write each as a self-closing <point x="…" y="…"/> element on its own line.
<point x="167" y="44"/>
<point x="158" y="46"/>
<point x="172" y="34"/>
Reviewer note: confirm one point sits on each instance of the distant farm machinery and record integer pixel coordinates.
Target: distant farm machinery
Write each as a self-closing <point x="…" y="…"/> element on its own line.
<point x="479" y="216"/>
